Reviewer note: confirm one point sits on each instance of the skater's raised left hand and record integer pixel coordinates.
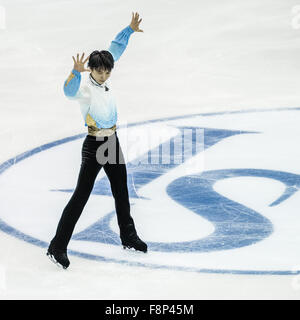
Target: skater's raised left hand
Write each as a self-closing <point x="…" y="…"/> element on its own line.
<point x="135" y="22"/>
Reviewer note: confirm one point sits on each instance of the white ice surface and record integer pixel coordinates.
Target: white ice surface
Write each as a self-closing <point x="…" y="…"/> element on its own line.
<point x="196" y="58"/>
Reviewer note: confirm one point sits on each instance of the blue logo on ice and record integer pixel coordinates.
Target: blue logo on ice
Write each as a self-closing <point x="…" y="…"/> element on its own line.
<point x="234" y="225"/>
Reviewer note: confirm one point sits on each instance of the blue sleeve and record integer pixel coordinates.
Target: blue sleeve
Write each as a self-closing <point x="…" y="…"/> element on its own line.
<point x="72" y="84"/>
<point x="119" y="44"/>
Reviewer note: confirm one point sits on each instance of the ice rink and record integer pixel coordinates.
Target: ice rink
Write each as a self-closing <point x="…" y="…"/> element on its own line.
<point x="209" y="93"/>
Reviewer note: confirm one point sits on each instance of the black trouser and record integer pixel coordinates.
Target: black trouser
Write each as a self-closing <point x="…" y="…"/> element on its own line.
<point x="115" y="169"/>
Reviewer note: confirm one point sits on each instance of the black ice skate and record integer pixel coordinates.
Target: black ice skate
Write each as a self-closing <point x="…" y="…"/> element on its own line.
<point x="130" y="239"/>
<point x="59" y="257"/>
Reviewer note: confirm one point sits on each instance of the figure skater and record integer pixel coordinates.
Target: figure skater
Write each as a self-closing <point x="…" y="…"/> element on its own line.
<point x="99" y="112"/>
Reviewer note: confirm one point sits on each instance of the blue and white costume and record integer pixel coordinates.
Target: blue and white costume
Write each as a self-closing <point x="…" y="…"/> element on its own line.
<point x="97" y="103"/>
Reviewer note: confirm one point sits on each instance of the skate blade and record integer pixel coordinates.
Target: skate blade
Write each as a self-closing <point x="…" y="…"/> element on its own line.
<point x="132" y="249"/>
<point x="51" y="257"/>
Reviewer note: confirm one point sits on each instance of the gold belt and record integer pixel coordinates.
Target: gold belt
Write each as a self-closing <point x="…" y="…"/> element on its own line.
<point x="102" y="132"/>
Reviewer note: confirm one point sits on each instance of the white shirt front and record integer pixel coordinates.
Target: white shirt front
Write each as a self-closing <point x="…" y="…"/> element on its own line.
<point x="98" y="101"/>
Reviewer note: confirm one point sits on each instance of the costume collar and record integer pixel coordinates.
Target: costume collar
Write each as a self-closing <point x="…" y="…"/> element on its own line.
<point x="103" y="85"/>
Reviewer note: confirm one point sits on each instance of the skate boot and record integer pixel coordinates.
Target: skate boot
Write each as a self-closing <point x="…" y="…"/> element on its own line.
<point x="130" y="239"/>
<point x="58" y="256"/>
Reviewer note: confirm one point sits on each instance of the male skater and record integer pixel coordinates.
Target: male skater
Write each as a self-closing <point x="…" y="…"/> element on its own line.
<point x="99" y="112"/>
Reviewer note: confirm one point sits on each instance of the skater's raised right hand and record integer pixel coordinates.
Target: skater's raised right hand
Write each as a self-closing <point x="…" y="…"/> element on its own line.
<point x="79" y="64"/>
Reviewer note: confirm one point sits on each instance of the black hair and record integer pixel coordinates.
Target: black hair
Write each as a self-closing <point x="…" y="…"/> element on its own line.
<point x="101" y="60"/>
